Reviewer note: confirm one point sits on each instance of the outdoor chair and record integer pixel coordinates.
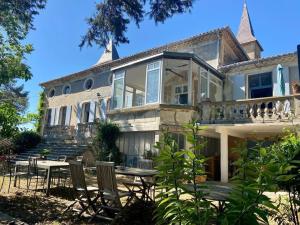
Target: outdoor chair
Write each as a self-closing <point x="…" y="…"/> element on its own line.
<point x="61" y="174"/>
<point x="10" y="171"/>
<point x="79" y="158"/>
<point x="110" y="195"/>
<point x="85" y="196"/>
<point x="35" y="174"/>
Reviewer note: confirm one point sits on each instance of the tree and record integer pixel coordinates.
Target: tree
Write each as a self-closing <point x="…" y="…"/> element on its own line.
<point x="16" y="21"/>
<point x="112" y="18"/>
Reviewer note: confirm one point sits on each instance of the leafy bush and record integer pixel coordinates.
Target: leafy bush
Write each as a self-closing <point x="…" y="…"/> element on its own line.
<point x="138" y="213"/>
<point x="105" y="142"/>
<point x="177" y="168"/>
<point x="26" y="140"/>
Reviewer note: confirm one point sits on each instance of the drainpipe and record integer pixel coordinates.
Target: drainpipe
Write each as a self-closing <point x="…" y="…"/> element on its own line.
<point x="298" y="51"/>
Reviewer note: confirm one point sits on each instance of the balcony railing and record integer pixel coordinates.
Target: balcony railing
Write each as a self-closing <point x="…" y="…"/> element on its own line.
<point x="261" y="110"/>
<point x="86" y="130"/>
<point x="59" y="131"/>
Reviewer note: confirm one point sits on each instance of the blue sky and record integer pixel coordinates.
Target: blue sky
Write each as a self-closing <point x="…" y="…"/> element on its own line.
<point x="60" y="26"/>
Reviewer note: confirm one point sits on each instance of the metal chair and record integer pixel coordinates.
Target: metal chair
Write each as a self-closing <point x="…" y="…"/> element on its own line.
<point x="34" y="173"/>
<point x="83" y="193"/>
<point x="60" y="173"/>
<point x="109" y="193"/>
<point x="10" y="171"/>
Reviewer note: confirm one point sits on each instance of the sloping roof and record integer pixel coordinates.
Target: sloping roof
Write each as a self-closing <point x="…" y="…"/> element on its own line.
<point x="246" y="32"/>
<point x="259" y="62"/>
<point x="110" y="53"/>
<point x="168" y="47"/>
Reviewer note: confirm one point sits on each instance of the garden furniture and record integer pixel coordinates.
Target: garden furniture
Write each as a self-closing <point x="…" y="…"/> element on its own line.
<point x="109" y="193"/>
<point x="143" y="175"/>
<point x="35" y="173"/>
<point x="47" y="165"/>
<point x="84" y="194"/>
<point x="9" y="170"/>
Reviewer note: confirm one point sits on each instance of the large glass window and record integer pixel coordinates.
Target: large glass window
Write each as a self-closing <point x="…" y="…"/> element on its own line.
<point x="63" y="115"/>
<point x="153" y="72"/>
<point x="260" y="85"/>
<point x="118" y="90"/>
<point x="211" y="87"/>
<point x="175" y="81"/>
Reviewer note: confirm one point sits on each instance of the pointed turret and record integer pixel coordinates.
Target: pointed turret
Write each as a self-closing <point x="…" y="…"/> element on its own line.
<point x="246" y="36"/>
<point x="109" y="54"/>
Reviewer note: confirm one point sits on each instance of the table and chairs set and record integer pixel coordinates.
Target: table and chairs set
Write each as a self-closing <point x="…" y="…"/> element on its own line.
<point x="106" y="198"/>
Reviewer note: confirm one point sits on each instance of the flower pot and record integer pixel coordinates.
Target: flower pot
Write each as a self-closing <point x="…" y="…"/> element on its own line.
<point x="200" y="179"/>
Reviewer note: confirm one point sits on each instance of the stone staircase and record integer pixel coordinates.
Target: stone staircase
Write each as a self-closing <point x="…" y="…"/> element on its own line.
<point x="71" y="150"/>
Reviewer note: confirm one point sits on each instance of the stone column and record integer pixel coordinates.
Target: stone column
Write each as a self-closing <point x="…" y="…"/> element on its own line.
<point x="224" y="156"/>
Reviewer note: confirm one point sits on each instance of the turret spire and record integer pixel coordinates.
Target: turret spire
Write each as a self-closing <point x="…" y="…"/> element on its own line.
<point x="246" y="35"/>
<point x="110" y="53"/>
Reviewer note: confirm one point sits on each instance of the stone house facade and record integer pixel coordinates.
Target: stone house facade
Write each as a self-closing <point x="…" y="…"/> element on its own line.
<point x="216" y="78"/>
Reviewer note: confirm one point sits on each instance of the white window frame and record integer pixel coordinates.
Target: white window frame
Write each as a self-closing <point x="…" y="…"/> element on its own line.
<point x="208" y="81"/>
<point x="176" y="95"/>
<point x="159" y="82"/>
<point x="123" y="72"/>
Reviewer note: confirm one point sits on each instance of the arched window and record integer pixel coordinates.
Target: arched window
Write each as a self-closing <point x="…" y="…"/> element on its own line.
<point x="67" y="89"/>
<point x="51" y="93"/>
<point x="88" y="84"/>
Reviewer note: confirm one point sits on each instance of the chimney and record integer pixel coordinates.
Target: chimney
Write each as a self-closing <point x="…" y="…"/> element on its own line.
<point x="298" y="51"/>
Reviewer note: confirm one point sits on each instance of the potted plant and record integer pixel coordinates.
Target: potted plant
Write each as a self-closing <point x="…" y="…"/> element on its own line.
<point x="295" y="87"/>
<point x="44" y="153"/>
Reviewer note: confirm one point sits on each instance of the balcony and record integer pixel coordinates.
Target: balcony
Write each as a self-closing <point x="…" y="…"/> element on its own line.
<point x="260" y="110"/>
<point x="59" y="131"/>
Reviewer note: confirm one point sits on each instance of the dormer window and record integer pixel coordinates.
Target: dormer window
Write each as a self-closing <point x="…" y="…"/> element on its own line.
<point x="67" y="89"/>
<point x="88" y="84"/>
<point x="51" y="93"/>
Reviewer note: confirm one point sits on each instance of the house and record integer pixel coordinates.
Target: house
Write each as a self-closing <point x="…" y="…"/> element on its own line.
<point x="217" y="78"/>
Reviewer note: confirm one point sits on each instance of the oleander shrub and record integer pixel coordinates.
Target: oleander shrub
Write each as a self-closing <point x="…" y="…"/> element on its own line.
<point x="26" y="140"/>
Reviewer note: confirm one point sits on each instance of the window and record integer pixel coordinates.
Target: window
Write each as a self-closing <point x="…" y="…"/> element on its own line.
<point x="66" y="89"/>
<point x="48" y="120"/>
<point x="260" y="85"/>
<point x="88" y="84"/>
<point x="118" y="90"/>
<point x="85" y="112"/>
<point x="211" y="87"/>
<point x="181" y="94"/>
<point x="153" y="74"/>
<point x="51" y="93"/>
<point x="63" y="115"/>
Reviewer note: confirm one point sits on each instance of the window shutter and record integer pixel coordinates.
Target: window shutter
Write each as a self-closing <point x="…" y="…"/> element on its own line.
<point x="56" y="116"/>
<point x="79" y="109"/>
<point x="68" y="115"/>
<point x="52" y="117"/>
<point x="92" y="111"/>
<point x="103" y="107"/>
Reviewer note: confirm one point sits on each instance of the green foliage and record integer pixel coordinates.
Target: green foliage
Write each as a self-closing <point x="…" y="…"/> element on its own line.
<point x="105" y="142"/>
<point x="41" y="112"/>
<point x="9" y="119"/>
<point x="113" y="17"/>
<point x="177" y="177"/>
<point x="26" y="140"/>
<point x="45" y="152"/>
